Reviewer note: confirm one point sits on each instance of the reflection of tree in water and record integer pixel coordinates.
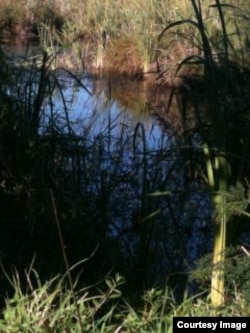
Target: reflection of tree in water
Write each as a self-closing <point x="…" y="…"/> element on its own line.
<point x="130" y="94"/>
<point x="141" y="97"/>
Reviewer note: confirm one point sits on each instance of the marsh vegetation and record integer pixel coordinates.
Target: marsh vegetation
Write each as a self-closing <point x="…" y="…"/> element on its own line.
<point x="130" y="210"/>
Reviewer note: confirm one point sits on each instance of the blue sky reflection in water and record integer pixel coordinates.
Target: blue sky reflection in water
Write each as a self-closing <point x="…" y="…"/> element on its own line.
<point x="134" y="166"/>
<point x="99" y="114"/>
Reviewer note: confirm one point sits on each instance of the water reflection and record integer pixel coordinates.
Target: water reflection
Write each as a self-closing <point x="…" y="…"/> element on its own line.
<point x="118" y="148"/>
<point x="105" y="108"/>
<point x="131" y="163"/>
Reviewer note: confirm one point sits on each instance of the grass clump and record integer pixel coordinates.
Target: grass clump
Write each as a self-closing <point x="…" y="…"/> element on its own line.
<point x="100" y="33"/>
<point x="50" y="307"/>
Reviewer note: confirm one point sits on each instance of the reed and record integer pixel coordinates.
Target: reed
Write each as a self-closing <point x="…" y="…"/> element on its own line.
<point x="215" y="133"/>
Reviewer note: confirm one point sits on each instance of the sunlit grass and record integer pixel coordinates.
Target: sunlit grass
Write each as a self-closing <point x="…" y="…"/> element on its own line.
<point x="54" y="307"/>
<point x="83" y="26"/>
<point x="50" y="307"/>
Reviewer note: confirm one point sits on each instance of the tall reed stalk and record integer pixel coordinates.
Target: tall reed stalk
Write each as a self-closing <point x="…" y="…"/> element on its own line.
<point x="214" y="133"/>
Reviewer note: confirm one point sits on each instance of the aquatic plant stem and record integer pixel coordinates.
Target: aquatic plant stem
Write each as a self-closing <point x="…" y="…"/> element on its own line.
<point x="219" y="247"/>
<point x="217" y="181"/>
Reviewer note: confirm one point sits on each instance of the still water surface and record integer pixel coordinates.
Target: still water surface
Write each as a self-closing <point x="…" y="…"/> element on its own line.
<point x="128" y="129"/>
<point x="133" y="164"/>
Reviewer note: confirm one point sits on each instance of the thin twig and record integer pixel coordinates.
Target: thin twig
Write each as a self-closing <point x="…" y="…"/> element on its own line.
<point x="66" y="259"/>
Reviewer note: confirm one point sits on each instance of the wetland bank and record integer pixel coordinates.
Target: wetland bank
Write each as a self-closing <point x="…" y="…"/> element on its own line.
<point x="114" y="168"/>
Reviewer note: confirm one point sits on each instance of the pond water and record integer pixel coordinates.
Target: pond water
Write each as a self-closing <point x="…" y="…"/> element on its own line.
<point x="118" y="143"/>
<point x="127" y="139"/>
<point x="98" y="107"/>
